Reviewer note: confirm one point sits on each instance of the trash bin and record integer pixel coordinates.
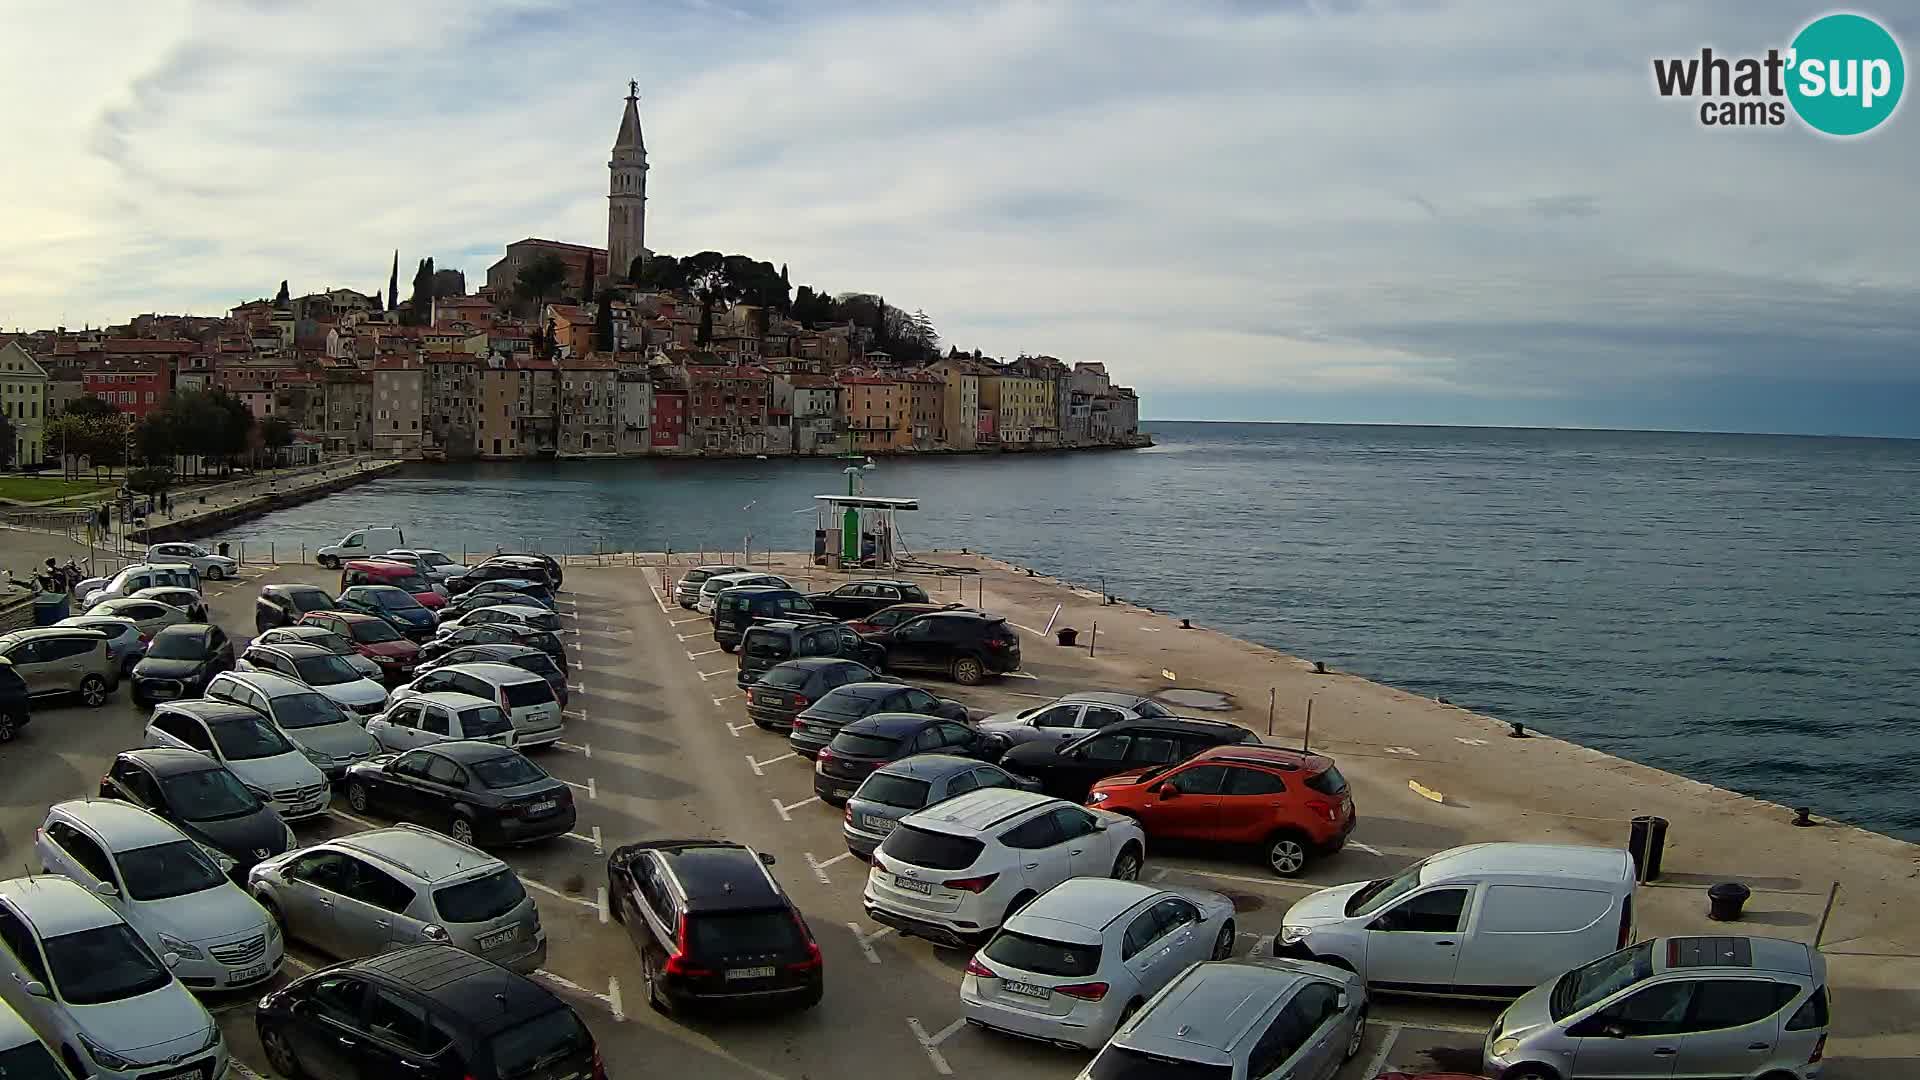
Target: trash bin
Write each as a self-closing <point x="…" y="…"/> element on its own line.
<point x="223" y="548"/>
<point x="1647" y="840"/>
<point x="1725" y="900"/>
<point x="1067" y="634"/>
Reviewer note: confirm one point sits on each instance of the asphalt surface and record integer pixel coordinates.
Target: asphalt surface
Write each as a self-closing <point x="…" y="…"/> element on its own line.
<point x="658" y="746"/>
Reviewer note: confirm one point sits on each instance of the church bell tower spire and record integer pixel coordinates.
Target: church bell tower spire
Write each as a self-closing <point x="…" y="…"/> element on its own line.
<point x="627" y="192"/>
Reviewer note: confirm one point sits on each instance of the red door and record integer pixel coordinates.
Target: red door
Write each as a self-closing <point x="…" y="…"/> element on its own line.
<point x="1192" y="810"/>
<point x="1250" y="804"/>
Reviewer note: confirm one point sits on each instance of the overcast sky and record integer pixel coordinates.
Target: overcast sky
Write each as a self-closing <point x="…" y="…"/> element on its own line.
<point x="1396" y="212"/>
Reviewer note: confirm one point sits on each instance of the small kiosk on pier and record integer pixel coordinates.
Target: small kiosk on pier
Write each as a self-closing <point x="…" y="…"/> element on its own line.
<point x="858" y="530"/>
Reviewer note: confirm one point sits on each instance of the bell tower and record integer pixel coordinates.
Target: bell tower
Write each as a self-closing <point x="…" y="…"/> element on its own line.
<point x="627" y="192"/>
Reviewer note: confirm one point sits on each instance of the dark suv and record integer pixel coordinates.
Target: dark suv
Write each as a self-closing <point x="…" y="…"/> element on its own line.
<point x="431" y="1011"/>
<point x="736" y="609"/>
<point x="865" y="745"/>
<point x="15" y="707"/>
<point x="524" y="657"/>
<point x="1068" y="770"/>
<point x="534" y="568"/>
<point x="712" y="927"/>
<point x="181" y="659"/>
<point x="494" y="634"/>
<point x="815" y="726"/>
<point x="284" y="605"/>
<point x="966" y="646"/>
<point x="788" y="687"/>
<point x="778" y="640"/>
<point x="858" y="599"/>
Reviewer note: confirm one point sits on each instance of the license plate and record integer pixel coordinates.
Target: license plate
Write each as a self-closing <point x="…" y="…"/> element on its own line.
<point x="499" y="937"/>
<point x="1026" y="989"/>
<point x="843" y="792"/>
<point x="543" y="806"/>
<point x="750" y="973"/>
<point x="159" y="692"/>
<point x="305" y="807"/>
<point x="921" y="887"/>
<point x="181" y="1074"/>
<point x="257" y="971"/>
<point x="878" y="824"/>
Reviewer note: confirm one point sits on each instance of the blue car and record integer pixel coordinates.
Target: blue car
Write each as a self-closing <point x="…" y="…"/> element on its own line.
<point x="396" y="607"/>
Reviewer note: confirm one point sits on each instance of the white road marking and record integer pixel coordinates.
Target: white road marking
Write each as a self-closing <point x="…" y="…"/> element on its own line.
<point x="1030" y="630"/>
<point x="690" y="637"/>
<point x="1368" y="848"/>
<point x="234" y="1062"/>
<point x="735" y="729"/>
<point x="576" y="688"/>
<point x="1262" y="946"/>
<point x="1308" y="885"/>
<point x="295" y="961"/>
<point x="820" y="865"/>
<point x="719" y="701"/>
<point x="587" y="787"/>
<point x="1469" y="742"/>
<point x="1379" y="1060"/>
<point x="756" y="766"/>
<point x="539" y="886"/>
<point x="1404" y="751"/>
<point x="583" y="749"/>
<point x="704" y="652"/>
<point x="1036" y="697"/>
<point x="613" y="998"/>
<point x="716" y="674"/>
<point x="594" y="839"/>
<point x="658" y="599"/>
<point x="1019" y="675"/>
<point x="683" y="622"/>
<point x="600" y="902"/>
<point x="786" y="810"/>
<point x="865" y="941"/>
<point x="576" y="714"/>
<point x="360" y="821"/>
<point x="932" y="1046"/>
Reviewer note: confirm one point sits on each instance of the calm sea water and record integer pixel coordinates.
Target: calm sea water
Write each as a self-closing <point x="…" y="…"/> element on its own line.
<point x="1740" y="609"/>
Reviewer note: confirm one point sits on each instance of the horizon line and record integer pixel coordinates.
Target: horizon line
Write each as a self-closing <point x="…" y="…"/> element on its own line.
<point x="1532" y="427"/>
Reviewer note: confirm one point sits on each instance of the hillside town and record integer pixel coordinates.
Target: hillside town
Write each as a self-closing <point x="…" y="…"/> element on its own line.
<point x="570" y="351"/>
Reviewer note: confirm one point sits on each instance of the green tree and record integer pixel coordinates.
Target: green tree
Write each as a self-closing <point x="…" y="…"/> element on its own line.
<point x="280" y="298"/>
<point x="154" y="437"/>
<point x="712" y="288"/>
<point x="276" y="434"/>
<point x="6" y="442"/>
<point x="603" y="323"/>
<point x="150" y="480"/>
<point x="393" y="283"/>
<point x="540" y="277"/>
<point x="90" y="406"/>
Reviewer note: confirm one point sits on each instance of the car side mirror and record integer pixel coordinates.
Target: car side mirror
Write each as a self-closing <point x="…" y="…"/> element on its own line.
<point x="1099" y="825"/>
<point x="107" y="889"/>
<point x="35" y="988"/>
<point x="1076" y="754"/>
<point x="766" y="858"/>
<point x="1613" y="1031"/>
<point x="1167" y="791"/>
<point x="1340" y="1002"/>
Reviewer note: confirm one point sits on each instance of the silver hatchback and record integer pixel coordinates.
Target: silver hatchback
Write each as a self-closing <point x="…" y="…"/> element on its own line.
<point x="891" y="792"/>
<point x="388" y="888"/>
<point x="1681" y="1006"/>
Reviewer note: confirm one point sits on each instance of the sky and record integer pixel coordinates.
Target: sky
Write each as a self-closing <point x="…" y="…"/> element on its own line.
<point x="1411" y="212"/>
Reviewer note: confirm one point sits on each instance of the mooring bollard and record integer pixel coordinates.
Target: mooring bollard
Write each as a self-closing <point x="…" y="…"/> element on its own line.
<point x="1319" y="667"/>
<point x="1519" y="731"/>
<point x="1803" y="816"/>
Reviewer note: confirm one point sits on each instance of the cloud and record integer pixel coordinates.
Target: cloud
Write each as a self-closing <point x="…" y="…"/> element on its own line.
<point x="1315" y="201"/>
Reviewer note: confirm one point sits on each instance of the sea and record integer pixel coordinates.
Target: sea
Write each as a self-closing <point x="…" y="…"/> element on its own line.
<point x="1740" y="609"/>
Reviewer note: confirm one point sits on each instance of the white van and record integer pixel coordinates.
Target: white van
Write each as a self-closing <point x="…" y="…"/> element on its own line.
<point x="1486" y="920"/>
<point x="362" y="543"/>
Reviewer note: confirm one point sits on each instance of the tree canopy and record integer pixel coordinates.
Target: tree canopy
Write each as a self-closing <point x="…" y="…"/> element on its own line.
<point x="91" y="406"/>
<point x="541" y="277"/>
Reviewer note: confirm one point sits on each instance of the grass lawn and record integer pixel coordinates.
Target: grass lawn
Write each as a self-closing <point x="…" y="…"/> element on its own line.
<point x="36" y="488"/>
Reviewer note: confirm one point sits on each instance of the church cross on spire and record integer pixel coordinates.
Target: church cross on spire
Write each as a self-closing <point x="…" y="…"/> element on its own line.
<point x="633" y="89"/>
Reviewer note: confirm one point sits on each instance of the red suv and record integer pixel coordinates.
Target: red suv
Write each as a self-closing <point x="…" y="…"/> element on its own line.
<point x="372" y="638"/>
<point x="1288" y="805"/>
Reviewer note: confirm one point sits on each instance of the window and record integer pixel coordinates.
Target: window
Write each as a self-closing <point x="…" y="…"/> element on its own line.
<point x="1148" y="749"/>
<point x="434" y="721"/>
<point x="1252" y="782"/>
<point x="1812" y="1013"/>
<point x="992" y="778"/>
<point x="1106" y="748"/>
<point x="185" y="729"/>
<point x="1436" y="912"/>
<point x="1660" y="1009"/>
<point x="1099" y="716"/>
<point x="1199" y="779"/>
<point x="1059" y="716"/>
<point x="442" y="771"/>
<point x="1174" y="913"/>
<point x="1073" y="822"/>
<point x="405" y="716"/>
<point x="1040" y="832"/>
<point x="339" y="998"/>
<point x="416" y="764"/>
<point x="1144" y="930"/>
<point x="1730" y="1003"/>
<point x="955" y="735"/>
<point x="1283" y="1038"/>
<point x="19" y="941"/>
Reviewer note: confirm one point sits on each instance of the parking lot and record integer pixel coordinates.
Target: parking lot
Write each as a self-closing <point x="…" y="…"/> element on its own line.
<point x="658" y="746"/>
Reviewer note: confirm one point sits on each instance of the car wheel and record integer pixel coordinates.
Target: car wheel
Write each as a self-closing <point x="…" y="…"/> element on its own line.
<point x="329" y="562"/>
<point x="1286" y="854"/>
<point x="1126" y="1013"/>
<point x="93" y="690"/>
<point x="7" y="728"/>
<point x="461" y="829"/>
<point x="273" y="911"/>
<point x="650" y="968"/>
<point x="1126" y="865"/>
<point x="1223" y="945"/>
<point x="214" y="573"/>
<point x="1013" y="909"/>
<point x="279" y="1053"/>
<point x="724" y="647"/>
<point x="357" y="797"/>
<point x="1529" y="1072"/>
<point x="1359" y="1035"/>
<point x="967" y="671"/>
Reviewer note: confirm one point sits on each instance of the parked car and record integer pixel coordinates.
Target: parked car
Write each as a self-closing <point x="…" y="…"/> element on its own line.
<point x="741" y="607"/>
<point x="16" y="710"/>
<point x="438" y="717"/>
<point x="475" y="1019"/>
<point x="407" y="557"/>
<point x="786" y="688"/>
<point x="86" y="981"/>
<point x="524" y="657"/>
<point x="1286" y="806"/>
<point x="327" y="640"/>
<point x="360" y="544"/>
<point x="778" y="640"/>
<point x="1490" y="920"/>
<point x="396" y="606"/>
<point x="257" y="752"/>
<point x="711" y="588"/>
<point x="1681" y="1006"/>
<point x="285" y="605"/>
<point x="526" y="698"/>
<point x="899" y="788"/>
<point x="169" y="888"/>
<point x="485" y="596"/>
<point x="149" y="615"/>
<point x="500" y="568"/>
<point x="203" y="799"/>
<point x="1242" y="1018"/>
<point x="330" y="736"/>
<point x="953" y="872"/>
<point x="1069" y="770"/>
<point x="538" y="566"/>
<point x="478" y="792"/>
<point x="126" y="644"/>
<point x="712" y="926"/>
<point x="388" y="888"/>
<point x="58" y="660"/>
<point x="866" y="744"/>
<point x="686" y="591"/>
<point x="133" y="578"/>
<point x="1088" y="953"/>
<point x="965" y="646"/>
<point x="180" y="661"/>
<point x="530" y="615"/>
<point x="889" y="617"/>
<point x="859" y="599"/>
<point x="523" y="590"/>
<point x="372" y="637"/>
<point x="1071" y="716"/>
<point x="816" y="725"/>
<point x="328" y="675"/>
<point x="23" y="1054"/>
<point x="396" y="575"/>
<point x="187" y="600"/>
<point x="495" y="634"/>
<point x="206" y="563"/>
<point x="436" y="565"/>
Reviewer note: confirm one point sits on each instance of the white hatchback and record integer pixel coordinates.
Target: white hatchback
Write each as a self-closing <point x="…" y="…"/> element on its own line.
<point x="711" y="588"/>
<point x="175" y="892"/>
<point x="956" y="870"/>
<point x="1071" y="966"/>
<point x="526" y="698"/>
<point x="329" y="674"/>
<point x="273" y="768"/>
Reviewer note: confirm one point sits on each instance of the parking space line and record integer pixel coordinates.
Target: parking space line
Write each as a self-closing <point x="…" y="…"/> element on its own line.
<point x="820" y="865"/>
<point x="1019" y="675"/>
<point x="1368" y="848"/>
<point x="683" y="622"/>
<point x="556" y="893"/>
<point x="576" y="714"/>
<point x="583" y="749"/>
<point x="1036" y="697"/>
<point x="658" y="599"/>
<point x="588" y="787"/>
<point x="705" y="652"/>
<point x="1308" y="885"/>
<point x="756" y="766"/>
<point x="594" y="839"/>
<point x="932" y="1045"/>
<point x="363" y="822"/>
<point x="611" y="999"/>
<point x="865" y="941"/>
<point x="786" y="810"/>
<point x="1029" y="629"/>
<point x="735" y="729"/>
<point x="240" y="1068"/>
<point x="1379" y="1060"/>
<point x="600" y="903"/>
<point x="716" y="674"/>
<point x="576" y="688"/>
<point x="691" y="637"/>
<point x="723" y="700"/>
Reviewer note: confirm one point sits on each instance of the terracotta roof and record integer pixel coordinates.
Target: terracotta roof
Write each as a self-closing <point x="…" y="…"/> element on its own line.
<point x="569" y="312"/>
<point x="396" y="363"/>
<point x="557" y="244"/>
<point x="119" y="346"/>
<point x="811" y="382"/>
<point x="451" y="358"/>
<point x="588" y="363"/>
<point x="124" y="365"/>
<point x="715" y="374"/>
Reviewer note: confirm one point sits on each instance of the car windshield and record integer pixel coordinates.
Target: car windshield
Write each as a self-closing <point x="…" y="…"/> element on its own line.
<point x="766" y="645"/>
<point x="244" y="738"/>
<point x="538" y="662"/>
<point x="392" y="599"/>
<point x="1044" y="956"/>
<point x="853" y="744"/>
<point x="30" y="1061"/>
<point x="176" y="868"/>
<point x="784" y="677"/>
<point x="107" y="963"/>
<point x="208" y="795"/>
<point x="480" y="900"/>
<point x="413" y="583"/>
<point x="305" y="600"/>
<point x="1329" y="782"/>
<point x="325" y="670"/>
<point x="549" y="1037"/>
<point x="1375" y="895"/>
<point x="1589" y="985"/>
<point x="296" y="711"/>
<point x="902" y="791"/>
<point x="331" y="642"/>
<point x="933" y="850"/>
<point x="1121" y="1063"/>
<point x="734" y="933"/>
<point x="372" y="632"/>
<point x="1150" y="709"/>
<point x="532" y="692"/>
<point x="189" y="645"/>
<point x="505" y="771"/>
<point x="434" y="558"/>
